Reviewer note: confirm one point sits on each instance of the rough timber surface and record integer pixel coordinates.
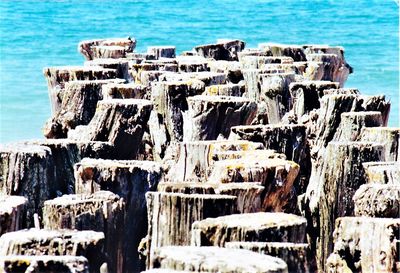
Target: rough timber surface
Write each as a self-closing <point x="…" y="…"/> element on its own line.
<point x="12" y="213"/>
<point x="214" y="259"/>
<point x="38" y="242"/>
<point x="43" y="264"/>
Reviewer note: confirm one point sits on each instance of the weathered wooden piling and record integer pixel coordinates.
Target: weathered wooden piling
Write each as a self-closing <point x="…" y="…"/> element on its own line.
<point x="28" y="170"/>
<point x="333" y="182"/>
<point x="211" y="117"/>
<point x="38" y="242"/>
<point x="214" y="259"/>
<point x="249" y="227"/>
<point x="12" y="213"/>
<point x="296" y="255"/>
<point x="388" y="136"/>
<point x="171" y="216"/>
<point x="87" y="48"/>
<point x="382" y="172"/>
<point x="365" y="244"/>
<point x="44" y="263"/>
<point x="130" y="180"/>
<point x="222" y="50"/>
<point x="101" y="211"/>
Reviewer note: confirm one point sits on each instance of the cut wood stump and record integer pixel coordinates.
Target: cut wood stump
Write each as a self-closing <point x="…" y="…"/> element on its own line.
<point x="119" y="121"/>
<point x="334" y="179"/>
<point x="162" y="51"/>
<point x="290" y="140"/>
<point x="28" y="170"/>
<point x="276" y="175"/>
<point x="130" y="180"/>
<point x="382" y="172"/>
<point x="86" y="48"/>
<point x="215" y="259"/>
<point x="125" y="91"/>
<point x="235" y="90"/>
<point x="12" y="213"/>
<point x="223" y="50"/>
<point x="296" y="255"/>
<point x="249" y="227"/>
<point x="365" y="244"/>
<point x="121" y="65"/>
<point x="211" y="117"/>
<point x="38" y="242"/>
<point x="101" y="211"/>
<point x="388" y="136"/>
<point x="171" y="215"/>
<point x="57" y="77"/>
<point x="377" y="200"/>
<point x="44" y="264"/>
<point x="352" y="123"/>
<point x="78" y="106"/>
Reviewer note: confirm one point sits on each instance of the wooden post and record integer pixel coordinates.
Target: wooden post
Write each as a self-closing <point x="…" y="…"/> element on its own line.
<point x="224" y="50"/>
<point x="101" y="211"/>
<point x="288" y="139"/>
<point x="86" y="48"/>
<point x="382" y="172"/>
<point x="352" y="123"/>
<point x="249" y="227"/>
<point x="236" y="90"/>
<point x="57" y="77"/>
<point x="44" y="263"/>
<point x="276" y="175"/>
<point x="130" y="180"/>
<point x="296" y="255"/>
<point x="334" y="179"/>
<point x="12" y="213"/>
<point x="211" y="117"/>
<point x="162" y="51"/>
<point x="120" y="65"/>
<point x="119" y="121"/>
<point x="38" y="242"/>
<point x="388" y="136"/>
<point x="28" y="170"/>
<point x="377" y="200"/>
<point x="215" y="259"/>
<point x="354" y="250"/>
<point x="171" y="215"/>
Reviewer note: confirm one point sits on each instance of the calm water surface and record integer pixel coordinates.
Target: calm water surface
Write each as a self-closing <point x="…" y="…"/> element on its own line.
<point x="35" y="34"/>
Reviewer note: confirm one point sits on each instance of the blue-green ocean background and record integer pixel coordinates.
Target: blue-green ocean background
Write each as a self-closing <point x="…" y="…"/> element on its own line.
<point x="35" y="34"/>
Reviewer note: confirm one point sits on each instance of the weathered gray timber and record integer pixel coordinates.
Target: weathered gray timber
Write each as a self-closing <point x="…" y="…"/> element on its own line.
<point x="289" y="139"/>
<point x="388" y="136"/>
<point x="66" y="153"/>
<point x="78" y="106"/>
<point x="101" y="211"/>
<point x="274" y="94"/>
<point x="232" y="70"/>
<point x="253" y="154"/>
<point x="214" y="259"/>
<point x="120" y="65"/>
<point x="43" y="264"/>
<point x="306" y="95"/>
<point x="28" y="170"/>
<point x="249" y="227"/>
<point x="296" y="255"/>
<point x="223" y="50"/>
<point x="125" y="91"/>
<point x="171" y="215"/>
<point x="377" y="200"/>
<point x="38" y="242"/>
<point x="352" y="123"/>
<point x="296" y="52"/>
<point x="276" y="175"/>
<point x="365" y="244"/>
<point x="258" y="62"/>
<point x="57" y="77"/>
<point x="130" y="180"/>
<point x="382" y="172"/>
<point x="335" y="177"/>
<point x="166" y="122"/>
<point x="119" y="121"/>
<point x="161" y="51"/>
<point x="192" y="63"/>
<point x="12" y="213"/>
<point x="193" y="159"/>
<point x="248" y="194"/>
<point x="211" y="117"/>
<point x="236" y="90"/>
<point x="86" y="48"/>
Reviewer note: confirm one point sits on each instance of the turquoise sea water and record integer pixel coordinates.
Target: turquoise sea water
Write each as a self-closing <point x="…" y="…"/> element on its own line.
<point x="35" y="34"/>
